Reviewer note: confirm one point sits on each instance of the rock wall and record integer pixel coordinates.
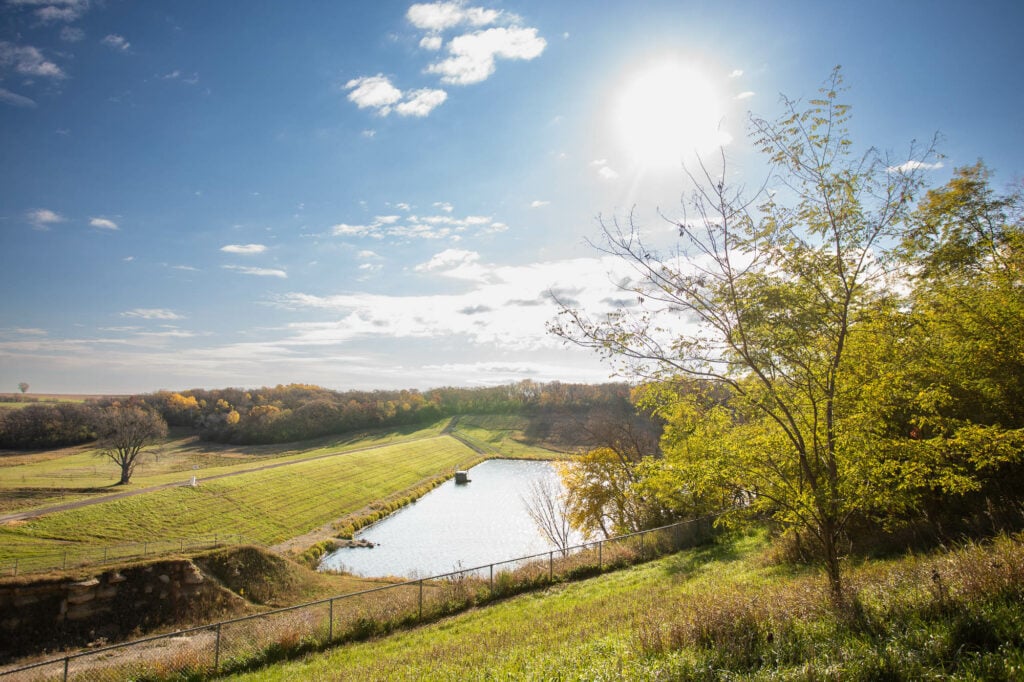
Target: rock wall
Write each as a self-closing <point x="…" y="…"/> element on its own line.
<point x="51" y="614"/>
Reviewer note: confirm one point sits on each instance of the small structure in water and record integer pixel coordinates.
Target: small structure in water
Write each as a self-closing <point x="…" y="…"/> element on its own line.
<point x="461" y="477"/>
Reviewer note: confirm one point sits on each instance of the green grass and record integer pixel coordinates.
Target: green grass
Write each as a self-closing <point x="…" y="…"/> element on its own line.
<point x="502" y="436"/>
<point x="721" y="613"/>
<point x="32" y="480"/>
<point x="264" y="506"/>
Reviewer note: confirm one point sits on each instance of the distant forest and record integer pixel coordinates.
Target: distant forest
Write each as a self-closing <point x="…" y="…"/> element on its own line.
<point x="297" y="411"/>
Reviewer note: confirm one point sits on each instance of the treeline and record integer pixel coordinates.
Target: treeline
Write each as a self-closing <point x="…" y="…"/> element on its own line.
<point x="297" y="411"/>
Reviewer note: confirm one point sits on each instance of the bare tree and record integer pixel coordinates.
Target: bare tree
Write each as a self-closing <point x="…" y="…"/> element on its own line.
<point x="547" y="505"/>
<point x="124" y="432"/>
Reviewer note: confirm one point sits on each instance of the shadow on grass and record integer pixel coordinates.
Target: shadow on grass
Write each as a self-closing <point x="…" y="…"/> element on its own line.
<point x="722" y="549"/>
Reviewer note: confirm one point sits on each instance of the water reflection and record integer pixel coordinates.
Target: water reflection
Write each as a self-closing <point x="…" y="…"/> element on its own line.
<point x="455" y="526"/>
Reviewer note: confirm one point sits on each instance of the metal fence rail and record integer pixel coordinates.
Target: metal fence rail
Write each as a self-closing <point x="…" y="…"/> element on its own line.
<point x="85" y="556"/>
<point x="245" y="642"/>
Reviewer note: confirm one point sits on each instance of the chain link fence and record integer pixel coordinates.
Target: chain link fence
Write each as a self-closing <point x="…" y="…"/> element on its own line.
<point x="93" y="556"/>
<point x="245" y="643"/>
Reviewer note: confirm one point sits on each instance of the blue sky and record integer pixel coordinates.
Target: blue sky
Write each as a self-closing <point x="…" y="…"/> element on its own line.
<point x="384" y="194"/>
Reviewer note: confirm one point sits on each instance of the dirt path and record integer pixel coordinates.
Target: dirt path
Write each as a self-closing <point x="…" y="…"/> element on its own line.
<point x="42" y="511"/>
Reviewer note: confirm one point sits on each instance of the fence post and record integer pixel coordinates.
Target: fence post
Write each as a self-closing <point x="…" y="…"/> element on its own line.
<point x="421" y="598"/>
<point x="330" y="626"/>
<point x="216" y="651"/>
<point x="600" y="555"/>
<point x="492" y="575"/>
<point x="551" y="565"/>
<point x="67" y="662"/>
<point x="642" y="536"/>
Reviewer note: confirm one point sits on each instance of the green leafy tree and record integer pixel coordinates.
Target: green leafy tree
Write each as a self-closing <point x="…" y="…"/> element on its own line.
<point x="23" y="386"/>
<point x="123" y="434"/>
<point x="763" y="301"/>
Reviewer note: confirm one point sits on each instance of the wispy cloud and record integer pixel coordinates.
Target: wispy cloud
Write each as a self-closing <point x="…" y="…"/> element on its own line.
<point x="258" y="272"/>
<point x="103" y="223"/>
<point x="746" y="94"/>
<point x="412" y="226"/>
<point x="604" y="170"/>
<point x="14" y="99"/>
<point x="72" y="34"/>
<point x="473" y="55"/>
<point x="538" y="203"/>
<point x="117" y="42"/>
<point x="42" y="218"/>
<point x="28" y="61"/>
<point x="914" y="165"/>
<point x="735" y="73"/>
<point x="244" y="249"/>
<point x="152" y="314"/>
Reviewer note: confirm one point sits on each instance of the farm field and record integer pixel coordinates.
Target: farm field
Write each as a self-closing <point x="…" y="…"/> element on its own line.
<point x="724" y="612"/>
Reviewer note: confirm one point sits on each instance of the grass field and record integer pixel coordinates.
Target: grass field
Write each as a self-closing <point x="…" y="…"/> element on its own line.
<point x="264" y="506"/>
<point x="32" y="480"/>
<point x="720" y="613"/>
<point x="502" y="435"/>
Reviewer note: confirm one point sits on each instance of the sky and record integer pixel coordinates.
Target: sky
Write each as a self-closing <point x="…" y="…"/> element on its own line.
<point x="366" y="195"/>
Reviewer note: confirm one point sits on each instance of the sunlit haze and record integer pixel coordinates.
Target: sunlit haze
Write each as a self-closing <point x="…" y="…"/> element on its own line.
<point x="388" y="195"/>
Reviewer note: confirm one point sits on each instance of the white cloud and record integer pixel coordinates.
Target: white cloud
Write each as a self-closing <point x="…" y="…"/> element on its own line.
<point x="914" y="165"/>
<point x="28" y="61"/>
<point x="103" y="223"/>
<point x="386" y="219"/>
<point x="538" y="203"/>
<point x="604" y="170"/>
<point x="444" y="206"/>
<point x="746" y="94"/>
<point x="369" y="133"/>
<point x="438" y="16"/>
<point x="42" y="218"/>
<point x="15" y="99"/>
<point x="402" y="206"/>
<point x="244" y="249"/>
<point x="735" y="73"/>
<point x="258" y="272"/>
<point x="432" y="43"/>
<point x="377" y="92"/>
<point x="117" y="42"/>
<point x="374" y="92"/>
<point x="345" y="230"/>
<point x="366" y="253"/>
<point x="152" y="314"/>
<point x="186" y="268"/>
<point x="473" y="55"/>
<point x="448" y="260"/>
<point x="421" y="102"/>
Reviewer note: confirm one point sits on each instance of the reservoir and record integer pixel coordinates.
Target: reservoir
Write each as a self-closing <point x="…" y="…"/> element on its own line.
<point x="455" y="526"/>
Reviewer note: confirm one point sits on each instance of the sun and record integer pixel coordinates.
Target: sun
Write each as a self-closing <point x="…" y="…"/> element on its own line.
<point x="666" y="113"/>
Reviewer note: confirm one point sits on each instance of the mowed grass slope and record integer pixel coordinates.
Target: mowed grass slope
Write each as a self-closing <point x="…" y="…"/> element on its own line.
<point x="263" y="506"/>
<point x="32" y="480"/>
<point x="720" y="613"/>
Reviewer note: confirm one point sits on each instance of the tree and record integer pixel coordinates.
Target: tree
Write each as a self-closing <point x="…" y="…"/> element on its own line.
<point x="23" y="386"/>
<point x="124" y="432"/>
<point x="761" y="298"/>
<point x="546" y="505"/>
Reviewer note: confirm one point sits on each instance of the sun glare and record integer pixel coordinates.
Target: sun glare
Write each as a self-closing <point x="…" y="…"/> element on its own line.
<point x="666" y="113"/>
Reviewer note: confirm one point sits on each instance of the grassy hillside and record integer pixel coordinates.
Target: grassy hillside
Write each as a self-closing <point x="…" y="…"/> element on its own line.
<point x="263" y="506"/>
<point x="721" y="613"/>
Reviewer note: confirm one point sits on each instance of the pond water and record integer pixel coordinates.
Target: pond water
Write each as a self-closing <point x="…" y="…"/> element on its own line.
<point x="454" y="526"/>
